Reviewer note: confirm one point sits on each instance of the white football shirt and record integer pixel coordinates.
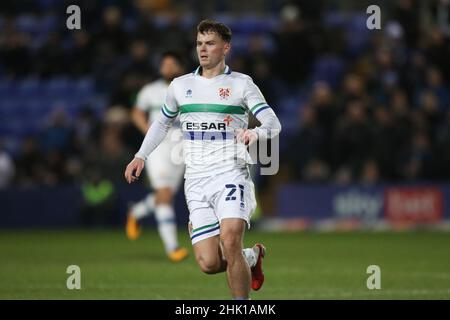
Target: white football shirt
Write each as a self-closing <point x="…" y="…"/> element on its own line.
<point x="151" y="97"/>
<point x="210" y="110"/>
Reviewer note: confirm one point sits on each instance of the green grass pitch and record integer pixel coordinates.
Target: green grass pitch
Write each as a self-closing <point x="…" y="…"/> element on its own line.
<point x="306" y="265"/>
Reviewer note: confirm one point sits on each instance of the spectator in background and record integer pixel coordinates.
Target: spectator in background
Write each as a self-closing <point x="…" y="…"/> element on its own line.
<point x="437" y="50"/>
<point x="175" y="36"/>
<point x="343" y="176"/>
<point x="413" y="72"/>
<point x="14" y="50"/>
<point x="295" y="51"/>
<point x="353" y="88"/>
<point x="110" y="46"/>
<point x="57" y="132"/>
<point x="385" y="146"/>
<point x="111" y="31"/>
<point x="429" y="111"/>
<point x="400" y="107"/>
<point x="370" y="174"/>
<point x="27" y="162"/>
<point x="258" y="63"/>
<point x="111" y="155"/>
<point x="139" y="62"/>
<point x="416" y="160"/>
<point x="80" y="55"/>
<point x="352" y="138"/>
<point x="435" y="84"/>
<point x="316" y="171"/>
<point x="305" y="146"/>
<point x="326" y="113"/>
<point x="99" y="197"/>
<point x="86" y="130"/>
<point x="407" y="14"/>
<point x="51" y="59"/>
<point x="136" y="72"/>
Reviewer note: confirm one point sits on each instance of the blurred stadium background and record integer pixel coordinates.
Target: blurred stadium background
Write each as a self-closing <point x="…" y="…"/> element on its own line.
<point x="365" y="143"/>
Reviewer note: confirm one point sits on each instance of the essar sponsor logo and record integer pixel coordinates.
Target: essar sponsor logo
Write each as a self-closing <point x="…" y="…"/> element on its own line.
<point x="205" y="126"/>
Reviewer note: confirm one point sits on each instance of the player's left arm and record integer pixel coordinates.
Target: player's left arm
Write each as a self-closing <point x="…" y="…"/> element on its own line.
<point x="270" y="125"/>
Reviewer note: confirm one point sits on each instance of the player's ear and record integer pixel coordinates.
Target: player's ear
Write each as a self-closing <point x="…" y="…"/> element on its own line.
<point x="227" y="47"/>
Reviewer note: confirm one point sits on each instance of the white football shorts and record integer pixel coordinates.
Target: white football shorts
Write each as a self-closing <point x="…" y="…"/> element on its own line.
<point x="210" y="199"/>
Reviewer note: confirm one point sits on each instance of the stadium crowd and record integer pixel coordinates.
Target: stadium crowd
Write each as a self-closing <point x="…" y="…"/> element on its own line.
<point x="357" y="105"/>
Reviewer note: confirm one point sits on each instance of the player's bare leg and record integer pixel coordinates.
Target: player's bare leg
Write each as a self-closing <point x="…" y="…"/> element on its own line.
<point x="163" y="196"/>
<point x="238" y="270"/>
<point x="165" y="217"/>
<point x="209" y="255"/>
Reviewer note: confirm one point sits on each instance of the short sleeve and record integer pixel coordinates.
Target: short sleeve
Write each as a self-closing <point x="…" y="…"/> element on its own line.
<point x="142" y="100"/>
<point x="170" y="108"/>
<point x="253" y="98"/>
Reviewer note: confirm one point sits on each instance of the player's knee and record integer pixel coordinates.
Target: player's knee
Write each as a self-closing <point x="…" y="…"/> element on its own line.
<point x="164" y="196"/>
<point x="232" y="245"/>
<point x="208" y="265"/>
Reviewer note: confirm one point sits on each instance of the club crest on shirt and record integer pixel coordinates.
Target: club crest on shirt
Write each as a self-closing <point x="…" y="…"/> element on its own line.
<point x="188" y="93"/>
<point x="224" y="93"/>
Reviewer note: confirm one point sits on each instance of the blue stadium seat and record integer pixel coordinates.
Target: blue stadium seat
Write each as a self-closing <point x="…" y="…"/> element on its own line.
<point x="7" y="87"/>
<point x="58" y="87"/>
<point x="252" y="24"/>
<point x="129" y="24"/>
<point x="328" y="69"/>
<point x="47" y="4"/>
<point x="240" y="44"/>
<point x="84" y="86"/>
<point x="36" y="26"/>
<point x="29" y="87"/>
<point x="35" y="108"/>
<point x="27" y="23"/>
<point x="356" y="27"/>
<point x="160" y="21"/>
<point x="188" y="21"/>
<point x="9" y="108"/>
<point x="48" y="24"/>
<point x="289" y="123"/>
<point x="333" y="19"/>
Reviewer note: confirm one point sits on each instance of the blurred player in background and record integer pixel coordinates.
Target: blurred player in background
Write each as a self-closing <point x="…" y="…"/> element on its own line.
<point x="165" y="174"/>
<point x="214" y="103"/>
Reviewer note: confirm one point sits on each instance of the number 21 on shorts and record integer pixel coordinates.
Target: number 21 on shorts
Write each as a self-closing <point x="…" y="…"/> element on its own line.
<point x="231" y="193"/>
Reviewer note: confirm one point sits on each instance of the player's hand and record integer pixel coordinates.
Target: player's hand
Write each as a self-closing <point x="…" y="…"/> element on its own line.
<point x="134" y="169"/>
<point x="246" y="136"/>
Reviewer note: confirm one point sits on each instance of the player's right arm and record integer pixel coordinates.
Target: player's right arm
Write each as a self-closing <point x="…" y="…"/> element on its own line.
<point x="155" y="135"/>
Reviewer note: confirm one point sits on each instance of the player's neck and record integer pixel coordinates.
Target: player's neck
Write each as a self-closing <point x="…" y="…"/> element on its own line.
<point x="214" y="71"/>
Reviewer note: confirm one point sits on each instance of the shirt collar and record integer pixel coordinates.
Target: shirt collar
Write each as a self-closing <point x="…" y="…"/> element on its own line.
<point x="198" y="71"/>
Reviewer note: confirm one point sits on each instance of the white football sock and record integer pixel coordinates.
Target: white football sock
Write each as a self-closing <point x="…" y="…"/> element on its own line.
<point x="167" y="228"/>
<point x="251" y="256"/>
<point x="144" y="207"/>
